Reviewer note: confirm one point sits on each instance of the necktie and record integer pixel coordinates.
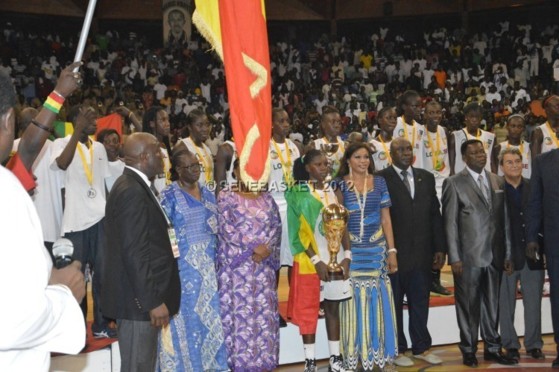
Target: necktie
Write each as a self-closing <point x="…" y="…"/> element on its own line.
<point x="483" y="187"/>
<point x="406" y="181"/>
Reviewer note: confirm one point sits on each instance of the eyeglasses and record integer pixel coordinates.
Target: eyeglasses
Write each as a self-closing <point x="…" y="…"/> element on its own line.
<point x="191" y="167"/>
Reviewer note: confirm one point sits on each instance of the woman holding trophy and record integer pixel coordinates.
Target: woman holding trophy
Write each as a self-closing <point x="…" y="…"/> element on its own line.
<point x="312" y="241"/>
<point x="368" y="320"/>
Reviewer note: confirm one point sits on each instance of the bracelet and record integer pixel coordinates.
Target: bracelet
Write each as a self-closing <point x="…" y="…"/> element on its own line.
<point x="315" y="259"/>
<point x="54" y="103"/>
<point x="392" y="250"/>
<point x="59" y="95"/>
<point x="347" y="254"/>
<point x="41" y="126"/>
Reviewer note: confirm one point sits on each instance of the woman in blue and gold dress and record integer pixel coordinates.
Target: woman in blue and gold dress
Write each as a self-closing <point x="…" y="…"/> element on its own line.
<point x="368" y="320"/>
<point x="194" y="339"/>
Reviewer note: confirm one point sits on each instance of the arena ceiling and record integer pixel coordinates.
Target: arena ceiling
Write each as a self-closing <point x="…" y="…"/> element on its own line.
<point x="276" y="10"/>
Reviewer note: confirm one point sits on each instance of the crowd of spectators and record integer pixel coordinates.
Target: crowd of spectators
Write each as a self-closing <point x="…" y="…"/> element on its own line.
<point x="506" y="68"/>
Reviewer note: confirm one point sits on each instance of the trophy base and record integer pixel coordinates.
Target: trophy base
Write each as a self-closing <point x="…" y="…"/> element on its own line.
<point x="334" y="275"/>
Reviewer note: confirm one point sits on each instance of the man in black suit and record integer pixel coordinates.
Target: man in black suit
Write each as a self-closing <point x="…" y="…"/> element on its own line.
<point x="141" y="287"/>
<point x="478" y="239"/>
<point x="543" y="208"/>
<point x="518" y="268"/>
<point x="418" y="235"/>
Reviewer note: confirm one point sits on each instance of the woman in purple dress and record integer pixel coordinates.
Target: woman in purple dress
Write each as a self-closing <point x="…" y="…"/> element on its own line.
<point x="249" y="235"/>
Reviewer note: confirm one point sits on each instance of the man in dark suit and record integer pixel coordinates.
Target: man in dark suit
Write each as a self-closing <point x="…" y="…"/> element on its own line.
<point x="543" y="207"/>
<point x="478" y="239"/>
<point x="418" y="235"/>
<point x="517" y="190"/>
<point x="141" y="287"/>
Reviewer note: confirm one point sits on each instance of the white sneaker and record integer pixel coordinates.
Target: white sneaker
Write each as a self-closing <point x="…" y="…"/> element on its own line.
<point x="403" y="361"/>
<point x="429" y="358"/>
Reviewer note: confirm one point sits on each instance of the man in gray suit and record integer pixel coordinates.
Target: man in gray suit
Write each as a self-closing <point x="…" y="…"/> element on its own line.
<point x="478" y="239"/>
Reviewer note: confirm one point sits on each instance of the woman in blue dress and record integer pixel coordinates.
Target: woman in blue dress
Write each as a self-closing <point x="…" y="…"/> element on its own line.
<point x="368" y="319"/>
<point x="194" y="339"/>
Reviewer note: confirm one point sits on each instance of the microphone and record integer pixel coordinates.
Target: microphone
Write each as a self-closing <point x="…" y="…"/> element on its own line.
<point x="62" y="250"/>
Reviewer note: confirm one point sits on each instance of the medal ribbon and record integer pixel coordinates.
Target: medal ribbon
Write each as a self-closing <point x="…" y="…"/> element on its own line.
<point x="468" y="136"/>
<point x="406" y="135"/>
<point x="287" y="166"/>
<point x="88" y="170"/>
<point x="386" y="150"/>
<point x="208" y="166"/>
<point x="340" y="145"/>
<point x="437" y="151"/>
<point x="520" y="148"/>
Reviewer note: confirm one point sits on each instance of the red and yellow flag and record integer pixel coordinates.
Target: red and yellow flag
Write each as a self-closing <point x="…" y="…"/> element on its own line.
<point x="237" y="31"/>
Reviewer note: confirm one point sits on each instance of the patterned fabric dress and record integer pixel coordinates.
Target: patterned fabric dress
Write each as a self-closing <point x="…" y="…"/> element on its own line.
<point x="249" y="301"/>
<point x="368" y="320"/>
<point x="194" y="341"/>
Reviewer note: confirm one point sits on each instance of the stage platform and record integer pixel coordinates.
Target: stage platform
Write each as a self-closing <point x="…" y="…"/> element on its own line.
<point x="442" y="325"/>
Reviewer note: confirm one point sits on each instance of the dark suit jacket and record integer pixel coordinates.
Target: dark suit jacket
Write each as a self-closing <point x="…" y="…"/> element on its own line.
<point x="517" y="223"/>
<point x="140" y="270"/>
<point x="544" y="202"/>
<point x="417" y="222"/>
<point x="476" y="231"/>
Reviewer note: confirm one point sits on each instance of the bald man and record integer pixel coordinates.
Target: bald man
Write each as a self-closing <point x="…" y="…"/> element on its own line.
<point x="141" y="287"/>
<point x="418" y="236"/>
<point x="545" y="137"/>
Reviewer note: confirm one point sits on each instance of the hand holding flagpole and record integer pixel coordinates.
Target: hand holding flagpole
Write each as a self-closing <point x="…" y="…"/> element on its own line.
<point x="85" y="32"/>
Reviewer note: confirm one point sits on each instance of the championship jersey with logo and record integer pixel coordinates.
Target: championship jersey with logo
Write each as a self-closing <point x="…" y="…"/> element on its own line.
<point x="281" y="170"/>
<point x="550" y="140"/>
<point x="435" y="152"/>
<point x="414" y="134"/>
<point x="334" y="158"/>
<point x="381" y="157"/>
<point x="204" y="156"/>
<point x="524" y="148"/>
<point x="461" y="136"/>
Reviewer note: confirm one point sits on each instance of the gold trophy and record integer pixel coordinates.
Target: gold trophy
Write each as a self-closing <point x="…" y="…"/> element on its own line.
<point x="334" y="219"/>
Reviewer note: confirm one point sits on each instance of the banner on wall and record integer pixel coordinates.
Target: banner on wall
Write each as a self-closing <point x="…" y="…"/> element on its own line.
<point x="177" y="22"/>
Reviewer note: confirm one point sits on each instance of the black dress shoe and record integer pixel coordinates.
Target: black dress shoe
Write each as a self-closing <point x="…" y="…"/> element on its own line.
<point x="513" y="354"/>
<point x="555" y="363"/>
<point x="535" y="354"/>
<point x="469" y="359"/>
<point x="499" y="358"/>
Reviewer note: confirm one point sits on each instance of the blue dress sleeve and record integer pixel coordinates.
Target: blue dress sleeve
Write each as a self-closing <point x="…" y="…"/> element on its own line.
<point x="383" y="190"/>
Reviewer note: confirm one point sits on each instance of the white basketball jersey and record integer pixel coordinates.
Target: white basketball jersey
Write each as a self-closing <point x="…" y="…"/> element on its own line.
<point x="549" y="138"/>
<point x="414" y="134"/>
<point x="461" y="136"/>
<point x="435" y="152"/>
<point x="281" y="170"/>
<point x="381" y="157"/>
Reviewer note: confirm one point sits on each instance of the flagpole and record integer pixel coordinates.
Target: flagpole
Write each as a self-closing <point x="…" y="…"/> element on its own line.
<point x="85" y="31"/>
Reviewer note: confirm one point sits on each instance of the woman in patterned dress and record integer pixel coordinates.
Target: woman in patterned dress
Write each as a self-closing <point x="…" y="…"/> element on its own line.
<point x="249" y="230"/>
<point x="368" y="320"/>
<point x="194" y="339"/>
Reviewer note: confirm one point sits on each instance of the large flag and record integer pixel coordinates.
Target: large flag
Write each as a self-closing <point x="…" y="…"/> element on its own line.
<point x="237" y="31"/>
